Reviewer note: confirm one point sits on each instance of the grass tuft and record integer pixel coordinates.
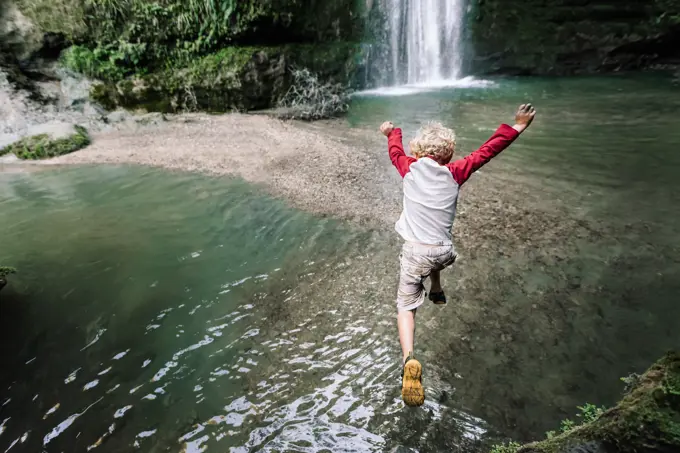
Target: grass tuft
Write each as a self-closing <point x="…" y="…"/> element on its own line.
<point x="43" y="146"/>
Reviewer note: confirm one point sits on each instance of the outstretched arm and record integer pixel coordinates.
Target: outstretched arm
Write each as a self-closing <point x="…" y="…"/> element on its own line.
<point x="503" y="137"/>
<point x="396" y="148"/>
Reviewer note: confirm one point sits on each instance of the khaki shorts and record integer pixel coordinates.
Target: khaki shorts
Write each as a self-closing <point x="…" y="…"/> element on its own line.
<point x="417" y="262"/>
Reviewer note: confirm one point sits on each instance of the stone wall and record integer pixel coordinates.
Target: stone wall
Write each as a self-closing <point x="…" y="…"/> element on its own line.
<point x="535" y="37"/>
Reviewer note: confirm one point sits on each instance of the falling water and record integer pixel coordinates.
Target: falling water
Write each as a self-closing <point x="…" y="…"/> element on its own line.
<point x="425" y="40"/>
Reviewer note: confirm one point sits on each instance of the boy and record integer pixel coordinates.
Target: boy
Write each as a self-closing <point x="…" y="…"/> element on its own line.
<point x="431" y="186"/>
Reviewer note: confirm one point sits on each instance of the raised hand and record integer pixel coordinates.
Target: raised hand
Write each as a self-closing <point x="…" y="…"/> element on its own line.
<point x="524" y="116"/>
<point x="386" y="128"/>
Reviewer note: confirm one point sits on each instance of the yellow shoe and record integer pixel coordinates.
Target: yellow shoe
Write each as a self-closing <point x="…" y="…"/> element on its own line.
<point x="412" y="390"/>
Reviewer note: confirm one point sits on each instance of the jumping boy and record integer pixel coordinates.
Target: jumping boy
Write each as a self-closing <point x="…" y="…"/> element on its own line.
<point x="431" y="187"/>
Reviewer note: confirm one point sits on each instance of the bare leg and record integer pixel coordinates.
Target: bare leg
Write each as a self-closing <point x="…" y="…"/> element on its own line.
<point x="436" y="284"/>
<point x="406" y="323"/>
<point x="412" y="391"/>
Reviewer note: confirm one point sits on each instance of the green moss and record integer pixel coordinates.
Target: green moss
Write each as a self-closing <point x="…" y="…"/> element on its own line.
<point x="42" y="146"/>
<point x="6" y="270"/>
<point x="234" y="78"/>
<point x="174" y="30"/>
<point x="219" y="69"/>
<point x="197" y="54"/>
<point x="510" y="447"/>
<point x="104" y="94"/>
<point x="106" y="62"/>
<point x="647" y="419"/>
<point x="214" y="82"/>
<point x="336" y="61"/>
<point x="67" y="17"/>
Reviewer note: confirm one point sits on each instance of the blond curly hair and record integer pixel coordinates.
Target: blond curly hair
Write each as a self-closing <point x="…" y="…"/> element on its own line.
<point x="436" y="141"/>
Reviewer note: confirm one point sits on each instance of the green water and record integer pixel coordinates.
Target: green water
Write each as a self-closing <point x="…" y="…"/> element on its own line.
<point x="581" y="284"/>
<point x="152" y="303"/>
<point x="172" y="312"/>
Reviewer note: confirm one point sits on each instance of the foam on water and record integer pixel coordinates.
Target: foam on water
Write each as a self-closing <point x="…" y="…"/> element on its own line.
<point x="406" y="90"/>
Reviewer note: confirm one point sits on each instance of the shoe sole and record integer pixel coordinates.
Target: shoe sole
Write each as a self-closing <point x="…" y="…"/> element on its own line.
<point x="412" y="390"/>
<point x="437" y="302"/>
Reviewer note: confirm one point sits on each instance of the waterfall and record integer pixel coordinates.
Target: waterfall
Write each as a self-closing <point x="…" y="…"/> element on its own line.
<point x="425" y="40"/>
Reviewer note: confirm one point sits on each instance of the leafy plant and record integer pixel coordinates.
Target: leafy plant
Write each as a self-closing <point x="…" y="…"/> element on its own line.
<point x="116" y="37"/>
<point x="631" y="381"/>
<point x="587" y="413"/>
<point x="107" y="62"/>
<point x="567" y="425"/>
<point x="590" y="412"/>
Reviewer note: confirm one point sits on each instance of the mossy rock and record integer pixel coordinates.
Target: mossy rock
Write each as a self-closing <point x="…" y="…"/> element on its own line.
<point x="334" y="61"/>
<point x="240" y="78"/>
<point x="44" y="146"/>
<point x="4" y="272"/>
<point x="217" y="82"/>
<point x="104" y="94"/>
<point x="646" y="420"/>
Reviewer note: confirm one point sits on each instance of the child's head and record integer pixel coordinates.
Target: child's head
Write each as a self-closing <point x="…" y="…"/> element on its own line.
<point x="435" y="141"/>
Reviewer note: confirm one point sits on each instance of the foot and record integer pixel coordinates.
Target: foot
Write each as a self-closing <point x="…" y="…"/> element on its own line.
<point x="412" y="391"/>
<point x="437" y="297"/>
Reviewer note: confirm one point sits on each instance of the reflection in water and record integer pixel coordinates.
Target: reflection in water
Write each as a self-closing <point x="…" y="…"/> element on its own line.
<point x="170" y="312"/>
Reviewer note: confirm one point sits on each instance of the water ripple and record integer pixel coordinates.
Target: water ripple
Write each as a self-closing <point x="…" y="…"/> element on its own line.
<point x="285" y="360"/>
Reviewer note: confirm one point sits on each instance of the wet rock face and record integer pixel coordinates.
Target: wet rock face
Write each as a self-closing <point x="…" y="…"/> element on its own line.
<point x="32" y="94"/>
<point x="564" y="37"/>
<point x="74" y="90"/>
<point x="237" y="78"/>
<point x="25" y="109"/>
<point x="244" y="66"/>
<point x="18" y="35"/>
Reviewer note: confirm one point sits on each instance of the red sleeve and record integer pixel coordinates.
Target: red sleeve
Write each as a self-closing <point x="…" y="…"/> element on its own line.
<point x="462" y="169"/>
<point x="397" y="155"/>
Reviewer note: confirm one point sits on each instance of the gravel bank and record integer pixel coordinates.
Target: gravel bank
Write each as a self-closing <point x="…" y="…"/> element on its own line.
<point x="325" y="168"/>
<point x="330" y="169"/>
